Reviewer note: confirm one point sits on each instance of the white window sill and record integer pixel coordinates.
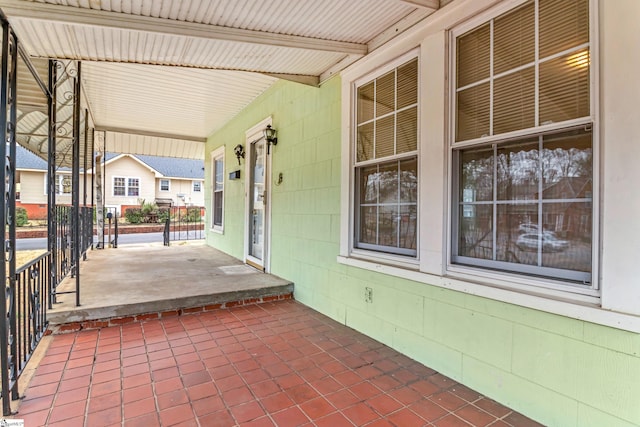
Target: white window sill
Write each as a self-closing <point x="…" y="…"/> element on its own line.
<point x="217" y="230"/>
<point x="382" y="258"/>
<point x="582" y="307"/>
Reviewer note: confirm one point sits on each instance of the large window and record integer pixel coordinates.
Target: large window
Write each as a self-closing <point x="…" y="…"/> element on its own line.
<point x="129" y="187"/>
<point x="386" y="162"/>
<point x="62" y="183"/>
<point x="217" y="185"/>
<point x="133" y="187"/>
<point x="523" y="142"/>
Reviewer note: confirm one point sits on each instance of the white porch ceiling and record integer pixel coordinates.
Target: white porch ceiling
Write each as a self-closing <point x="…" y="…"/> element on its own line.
<point x="178" y="70"/>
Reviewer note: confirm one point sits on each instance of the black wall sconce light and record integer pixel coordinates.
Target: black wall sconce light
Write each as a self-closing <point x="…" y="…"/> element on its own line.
<point x="270" y="135"/>
<point x="238" y="150"/>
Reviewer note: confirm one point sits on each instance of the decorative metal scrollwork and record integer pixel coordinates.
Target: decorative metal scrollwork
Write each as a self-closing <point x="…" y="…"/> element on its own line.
<point x="63" y="129"/>
<point x="35" y="310"/>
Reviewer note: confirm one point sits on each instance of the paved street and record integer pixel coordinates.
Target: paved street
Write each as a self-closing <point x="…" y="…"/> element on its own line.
<point x="123" y="239"/>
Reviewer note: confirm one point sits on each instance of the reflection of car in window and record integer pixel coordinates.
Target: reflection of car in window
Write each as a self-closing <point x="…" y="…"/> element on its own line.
<point x="528" y="227"/>
<point x="550" y="242"/>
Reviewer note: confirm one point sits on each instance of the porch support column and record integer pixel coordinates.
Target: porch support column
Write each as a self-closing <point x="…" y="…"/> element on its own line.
<point x="7" y="215"/>
<point x="75" y="179"/>
<point x="52" y="223"/>
<point x="85" y="212"/>
<point x="99" y="201"/>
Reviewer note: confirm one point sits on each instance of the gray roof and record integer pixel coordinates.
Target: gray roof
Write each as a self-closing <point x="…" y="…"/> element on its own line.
<point x="167" y="166"/>
<point x="170" y="166"/>
<point x="25" y="159"/>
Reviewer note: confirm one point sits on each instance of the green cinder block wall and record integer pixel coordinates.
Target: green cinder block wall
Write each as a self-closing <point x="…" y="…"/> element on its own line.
<point x="557" y="370"/>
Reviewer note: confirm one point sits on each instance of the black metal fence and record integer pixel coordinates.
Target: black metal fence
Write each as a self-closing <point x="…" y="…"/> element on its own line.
<point x="183" y="223"/>
<point x="28" y="298"/>
<point x="31" y="288"/>
<point x="64" y="254"/>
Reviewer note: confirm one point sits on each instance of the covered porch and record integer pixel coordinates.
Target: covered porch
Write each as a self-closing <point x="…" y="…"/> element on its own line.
<point x="146" y="281"/>
<point x="188" y="335"/>
<point x="272" y="364"/>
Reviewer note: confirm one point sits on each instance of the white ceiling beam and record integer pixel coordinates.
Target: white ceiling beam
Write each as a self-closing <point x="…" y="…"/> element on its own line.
<point x="100" y="18"/>
<point x="139" y="132"/>
<point x="399" y="27"/>
<point x="427" y="4"/>
<point x="297" y="78"/>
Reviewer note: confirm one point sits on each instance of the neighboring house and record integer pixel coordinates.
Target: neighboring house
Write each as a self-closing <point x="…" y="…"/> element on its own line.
<point x="398" y="191"/>
<point x="128" y="179"/>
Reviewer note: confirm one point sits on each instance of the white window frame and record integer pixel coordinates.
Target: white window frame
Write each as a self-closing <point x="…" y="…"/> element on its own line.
<point x="59" y="187"/>
<point x="217" y="154"/>
<point x="399" y="259"/>
<point x="168" y="185"/>
<point x="113" y="186"/>
<point x="515" y="280"/>
<point x="130" y="186"/>
<point x="127" y="186"/>
<point x="197" y="184"/>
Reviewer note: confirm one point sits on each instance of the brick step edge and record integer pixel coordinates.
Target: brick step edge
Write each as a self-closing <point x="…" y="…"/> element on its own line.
<point x="119" y="321"/>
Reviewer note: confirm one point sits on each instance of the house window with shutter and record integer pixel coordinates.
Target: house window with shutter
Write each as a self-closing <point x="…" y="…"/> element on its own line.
<point x="523" y="142"/>
<point x="386" y="161"/>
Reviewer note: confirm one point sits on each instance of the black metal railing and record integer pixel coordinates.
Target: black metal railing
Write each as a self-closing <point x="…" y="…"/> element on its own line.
<point x="86" y="230"/>
<point x="166" y="234"/>
<point x="65" y="262"/>
<point x="29" y="321"/>
<point x="63" y="240"/>
<point x="30" y="289"/>
<point x="183" y="223"/>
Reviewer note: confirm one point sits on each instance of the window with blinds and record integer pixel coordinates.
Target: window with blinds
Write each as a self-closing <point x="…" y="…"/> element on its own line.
<point x="217" y="187"/>
<point x="510" y="77"/>
<point x="386" y="145"/>
<point x="388" y="114"/>
<point x="523" y="195"/>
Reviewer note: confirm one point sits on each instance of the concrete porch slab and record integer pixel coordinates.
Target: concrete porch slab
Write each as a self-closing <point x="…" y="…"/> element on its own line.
<point x="133" y="280"/>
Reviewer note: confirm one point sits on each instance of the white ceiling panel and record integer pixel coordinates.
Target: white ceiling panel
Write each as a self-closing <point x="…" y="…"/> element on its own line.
<point x="355" y="21"/>
<point x="168" y="71"/>
<point x="117" y="142"/>
<point x="175" y="101"/>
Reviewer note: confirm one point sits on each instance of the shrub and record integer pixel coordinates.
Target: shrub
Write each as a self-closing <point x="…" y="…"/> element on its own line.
<point x="21" y="217"/>
<point x="133" y="215"/>
<point x="193" y="215"/>
<point x="163" y="215"/>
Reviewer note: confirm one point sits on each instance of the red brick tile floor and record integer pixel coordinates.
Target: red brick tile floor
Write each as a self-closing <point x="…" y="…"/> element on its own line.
<point x="273" y="364"/>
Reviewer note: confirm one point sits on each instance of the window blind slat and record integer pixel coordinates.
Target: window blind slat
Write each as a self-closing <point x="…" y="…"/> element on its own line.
<point x="514" y="39"/>
<point x="384" y="137"/>
<point x="514" y="101"/>
<point x="472" y="119"/>
<point x="407" y="130"/>
<point x="563" y="25"/>
<point x="564" y="89"/>
<point x="365" y="142"/>
<point x="365" y="102"/>
<point x="408" y="84"/>
<point x="473" y="56"/>
<point x="385" y="94"/>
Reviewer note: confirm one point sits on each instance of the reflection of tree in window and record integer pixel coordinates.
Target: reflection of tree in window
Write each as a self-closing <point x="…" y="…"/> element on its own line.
<point x="513" y="190"/>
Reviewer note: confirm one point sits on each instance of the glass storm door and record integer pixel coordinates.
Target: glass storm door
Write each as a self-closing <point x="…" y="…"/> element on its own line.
<point x="257" y="204"/>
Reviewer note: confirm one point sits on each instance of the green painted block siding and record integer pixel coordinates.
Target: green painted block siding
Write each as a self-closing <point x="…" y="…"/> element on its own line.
<point x="557" y="370"/>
